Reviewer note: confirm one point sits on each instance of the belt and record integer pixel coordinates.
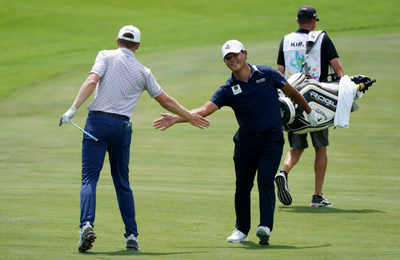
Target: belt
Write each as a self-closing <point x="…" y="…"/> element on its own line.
<point x="110" y="114"/>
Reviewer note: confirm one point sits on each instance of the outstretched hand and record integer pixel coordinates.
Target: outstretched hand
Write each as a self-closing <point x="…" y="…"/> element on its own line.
<point x="198" y="120"/>
<point x="168" y="120"/>
<point x="164" y="122"/>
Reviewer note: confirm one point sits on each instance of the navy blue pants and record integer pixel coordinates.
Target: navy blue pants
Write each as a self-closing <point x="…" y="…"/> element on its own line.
<point x="261" y="154"/>
<point x="116" y="140"/>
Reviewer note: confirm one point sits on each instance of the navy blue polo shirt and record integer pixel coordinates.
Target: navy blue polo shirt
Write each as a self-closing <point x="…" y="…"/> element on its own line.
<point x="255" y="103"/>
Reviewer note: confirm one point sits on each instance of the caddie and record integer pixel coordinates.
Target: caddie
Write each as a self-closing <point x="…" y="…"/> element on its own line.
<point x="291" y="57"/>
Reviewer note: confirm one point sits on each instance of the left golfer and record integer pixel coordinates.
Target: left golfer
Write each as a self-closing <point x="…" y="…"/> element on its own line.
<point x="120" y="79"/>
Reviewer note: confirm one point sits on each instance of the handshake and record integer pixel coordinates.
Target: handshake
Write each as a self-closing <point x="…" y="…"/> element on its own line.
<point x="168" y="120"/>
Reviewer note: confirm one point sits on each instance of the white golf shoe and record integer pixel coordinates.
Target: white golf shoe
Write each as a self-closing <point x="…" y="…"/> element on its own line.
<point x="86" y="238"/>
<point x="263" y="233"/>
<point x="132" y="243"/>
<point x="237" y="237"/>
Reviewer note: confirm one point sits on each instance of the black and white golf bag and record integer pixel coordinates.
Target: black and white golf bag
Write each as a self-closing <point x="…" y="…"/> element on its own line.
<point x="321" y="97"/>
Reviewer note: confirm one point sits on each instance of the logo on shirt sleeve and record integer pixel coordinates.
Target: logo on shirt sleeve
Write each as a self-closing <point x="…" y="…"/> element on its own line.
<point x="236" y="90"/>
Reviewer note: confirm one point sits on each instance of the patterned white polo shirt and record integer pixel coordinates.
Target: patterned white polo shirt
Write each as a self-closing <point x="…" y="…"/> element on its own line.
<point x="122" y="80"/>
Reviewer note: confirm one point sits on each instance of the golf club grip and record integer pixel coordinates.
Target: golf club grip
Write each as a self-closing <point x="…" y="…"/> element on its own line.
<point x="362" y="85"/>
<point x="91" y="136"/>
<point x="369" y="83"/>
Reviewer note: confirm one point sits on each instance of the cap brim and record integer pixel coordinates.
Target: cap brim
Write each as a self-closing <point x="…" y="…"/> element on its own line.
<point x="231" y="51"/>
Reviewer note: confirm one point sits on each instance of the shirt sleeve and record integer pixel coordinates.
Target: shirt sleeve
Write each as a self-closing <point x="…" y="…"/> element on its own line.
<point x="152" y="86"/>
<point x="278" y="79"/>
<point x="219" y="98"/>
<point x="328" y="49"/>
<point x="100" y="64"/>
<point x="281" y="57"/>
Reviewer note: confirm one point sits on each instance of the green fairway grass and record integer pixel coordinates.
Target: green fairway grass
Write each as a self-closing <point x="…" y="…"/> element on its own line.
<point x="183" y="178"/>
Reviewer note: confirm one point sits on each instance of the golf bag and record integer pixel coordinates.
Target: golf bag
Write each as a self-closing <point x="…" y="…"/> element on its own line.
<point x="321" y="97"/>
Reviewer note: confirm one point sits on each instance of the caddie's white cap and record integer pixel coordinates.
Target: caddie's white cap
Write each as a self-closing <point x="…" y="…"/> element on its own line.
<point x="129" y="29"/>
<point x="232" y="46"/>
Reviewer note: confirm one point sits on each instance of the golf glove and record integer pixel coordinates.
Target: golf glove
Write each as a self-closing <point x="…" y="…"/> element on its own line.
<point x="312" y="118"/>
<point x="67" y="117"/>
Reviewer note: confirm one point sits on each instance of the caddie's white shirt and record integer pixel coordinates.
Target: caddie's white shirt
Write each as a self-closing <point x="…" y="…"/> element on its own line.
<point x="294" y="49"/>
<point x="122" y="81"/>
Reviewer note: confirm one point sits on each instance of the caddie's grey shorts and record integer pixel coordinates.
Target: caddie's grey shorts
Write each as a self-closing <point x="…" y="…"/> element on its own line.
<point x="299" y="141"/>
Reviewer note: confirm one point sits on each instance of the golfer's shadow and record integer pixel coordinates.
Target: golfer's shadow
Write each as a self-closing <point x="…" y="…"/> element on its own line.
<point x="138" y="252"/>
<point x="307" y="209"/>
<point x="255" y="246"/>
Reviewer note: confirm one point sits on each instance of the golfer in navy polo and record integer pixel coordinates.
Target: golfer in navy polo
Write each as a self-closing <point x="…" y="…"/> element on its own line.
<point x="251" y="92"/>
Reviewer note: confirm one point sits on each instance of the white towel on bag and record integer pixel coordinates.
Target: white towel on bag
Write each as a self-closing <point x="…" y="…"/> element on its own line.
<point x="347" y="92"/>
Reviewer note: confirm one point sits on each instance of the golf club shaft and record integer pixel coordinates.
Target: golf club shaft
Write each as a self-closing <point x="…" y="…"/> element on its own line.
<point x="91" y="136"/>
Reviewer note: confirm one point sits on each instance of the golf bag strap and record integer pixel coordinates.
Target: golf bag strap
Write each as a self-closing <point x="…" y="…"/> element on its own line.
<point x="311" y="39"/>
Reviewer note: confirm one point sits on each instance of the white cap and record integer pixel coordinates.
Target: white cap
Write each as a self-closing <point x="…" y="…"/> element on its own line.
<point x="232" y="46"/>
<point x="129" y="29"/>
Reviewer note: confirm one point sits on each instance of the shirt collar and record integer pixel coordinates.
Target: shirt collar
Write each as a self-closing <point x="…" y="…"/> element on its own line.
<point x="127" y="51"/>
<point x="253" y="70"/>
<point x="302" y="31"/>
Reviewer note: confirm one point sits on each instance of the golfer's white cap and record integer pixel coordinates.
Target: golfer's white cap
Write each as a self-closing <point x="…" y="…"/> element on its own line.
<point x="132" y="30"/>
<point x="232" y="46"/>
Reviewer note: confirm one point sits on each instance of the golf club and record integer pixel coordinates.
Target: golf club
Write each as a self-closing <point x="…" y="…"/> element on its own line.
<point x="91" y="136"/>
